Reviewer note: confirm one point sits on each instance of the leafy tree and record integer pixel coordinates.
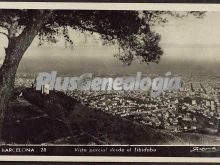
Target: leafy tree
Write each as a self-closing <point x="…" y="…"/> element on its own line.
<point x="130" y="30"/>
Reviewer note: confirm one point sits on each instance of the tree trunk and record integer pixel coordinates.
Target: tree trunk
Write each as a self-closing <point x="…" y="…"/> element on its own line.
<point x="13" y="55"/>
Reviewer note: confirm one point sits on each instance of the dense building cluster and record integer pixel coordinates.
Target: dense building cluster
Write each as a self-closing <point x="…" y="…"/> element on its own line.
<point x="25" y="80"/>
<point x="195" y="107"/>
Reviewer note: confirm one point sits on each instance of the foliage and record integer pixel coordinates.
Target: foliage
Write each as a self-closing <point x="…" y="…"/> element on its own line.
<point x="129" y="30"/>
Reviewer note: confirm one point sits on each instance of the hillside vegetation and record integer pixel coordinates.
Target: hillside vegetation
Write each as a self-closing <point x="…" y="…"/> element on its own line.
<point x="57" y="118"/>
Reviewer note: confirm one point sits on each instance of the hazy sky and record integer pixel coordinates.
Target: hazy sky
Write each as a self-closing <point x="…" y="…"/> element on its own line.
<point x="186" y="38"/>
<point x="191" y="30"/>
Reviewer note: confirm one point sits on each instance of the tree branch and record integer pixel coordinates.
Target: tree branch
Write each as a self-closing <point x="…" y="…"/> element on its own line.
<point x="18" y="45"/>
<point x="4" y="34"/>
<point x="92" y="29"/>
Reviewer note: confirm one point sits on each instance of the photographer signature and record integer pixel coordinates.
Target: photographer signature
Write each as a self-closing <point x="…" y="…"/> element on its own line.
<point x="204" y="149"/>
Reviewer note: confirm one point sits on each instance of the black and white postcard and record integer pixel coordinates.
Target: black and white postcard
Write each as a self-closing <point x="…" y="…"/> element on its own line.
<point x="112" y="80"/>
